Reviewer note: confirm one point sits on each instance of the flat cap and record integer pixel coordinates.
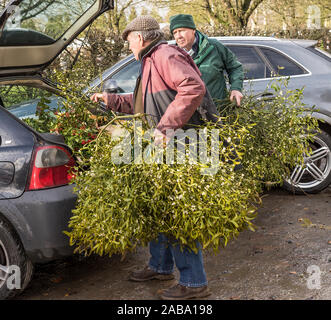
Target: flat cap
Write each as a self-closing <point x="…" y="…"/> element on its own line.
<point x="142" y="23"/>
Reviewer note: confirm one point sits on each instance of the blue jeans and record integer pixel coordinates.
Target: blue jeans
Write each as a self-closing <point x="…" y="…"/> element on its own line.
<point x="190" y="265"/>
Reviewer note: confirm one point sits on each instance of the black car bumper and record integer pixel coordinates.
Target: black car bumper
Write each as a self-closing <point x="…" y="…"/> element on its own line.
<point x="40" y="217"/>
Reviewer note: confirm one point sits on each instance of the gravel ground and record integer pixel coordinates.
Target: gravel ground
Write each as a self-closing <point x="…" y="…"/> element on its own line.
<point x="288" y="257"/>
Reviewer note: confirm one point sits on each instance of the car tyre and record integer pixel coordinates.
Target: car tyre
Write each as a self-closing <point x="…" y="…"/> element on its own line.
<point x="315" y="175"/>
<point x="12" y="254"/>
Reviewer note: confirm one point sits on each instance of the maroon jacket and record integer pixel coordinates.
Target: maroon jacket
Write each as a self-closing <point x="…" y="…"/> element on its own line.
<point x="172" y="89"/>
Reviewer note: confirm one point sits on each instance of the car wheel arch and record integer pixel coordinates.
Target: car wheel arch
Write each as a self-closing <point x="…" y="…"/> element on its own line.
<point x="13" y="254"/>
<point x="11" y="225"/>
<point x="16" y="226"/>
<point x="324" y="126"/>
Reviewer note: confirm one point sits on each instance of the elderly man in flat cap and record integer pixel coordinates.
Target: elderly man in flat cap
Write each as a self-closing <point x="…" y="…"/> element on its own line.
<point x="169" y="90"/>
<point x="211" y="56"/>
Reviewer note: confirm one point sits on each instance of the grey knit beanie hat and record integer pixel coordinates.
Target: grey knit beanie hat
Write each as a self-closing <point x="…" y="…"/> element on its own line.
<point x="142" y="23"/>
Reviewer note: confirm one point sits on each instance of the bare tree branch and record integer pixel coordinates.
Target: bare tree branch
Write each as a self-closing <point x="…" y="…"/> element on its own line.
<point x="251" y="8"/>
<point x="32" y="6"/>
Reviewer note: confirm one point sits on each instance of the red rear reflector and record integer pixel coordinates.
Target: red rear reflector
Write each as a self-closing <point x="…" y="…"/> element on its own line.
<point x="52" y="166"/>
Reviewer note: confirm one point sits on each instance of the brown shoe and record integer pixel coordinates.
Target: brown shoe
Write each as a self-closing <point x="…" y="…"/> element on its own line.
<point x="179" y="292"/>
<point x="148" y="274"/>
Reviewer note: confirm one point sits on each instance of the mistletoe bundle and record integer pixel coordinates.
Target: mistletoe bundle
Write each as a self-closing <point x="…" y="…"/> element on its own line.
<point x="123" y="204"/>
<point x="131" y="191"/>
<point x="128" y="191"/>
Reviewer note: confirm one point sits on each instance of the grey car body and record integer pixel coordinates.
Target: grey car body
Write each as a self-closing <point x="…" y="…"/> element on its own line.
<point x="36" y="198"/>
<point x="314" y="76"/>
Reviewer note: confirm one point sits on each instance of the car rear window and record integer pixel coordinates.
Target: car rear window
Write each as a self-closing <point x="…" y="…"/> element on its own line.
<point x="281" y="64"/>
<point x="33" y="22"/>
<point x="253" y="65"/>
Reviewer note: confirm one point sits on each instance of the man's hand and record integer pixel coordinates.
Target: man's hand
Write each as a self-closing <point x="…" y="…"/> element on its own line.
<point x="160" y="139"/>
<point x="96" y="97"/>
<point x="237" y="95"/>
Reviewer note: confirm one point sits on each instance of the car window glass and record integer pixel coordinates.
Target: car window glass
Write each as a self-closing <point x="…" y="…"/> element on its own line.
<point x="22" y="101"/>
<point x="281" y="64"/>
<point x="254" y="67"/>
<point x="41" y="22"/>
<point x="125" y="79"/>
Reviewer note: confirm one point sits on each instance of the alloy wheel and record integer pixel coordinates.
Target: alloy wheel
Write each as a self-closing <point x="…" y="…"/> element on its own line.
<point x="4" y="264"/>
<point x="316" y="167"/>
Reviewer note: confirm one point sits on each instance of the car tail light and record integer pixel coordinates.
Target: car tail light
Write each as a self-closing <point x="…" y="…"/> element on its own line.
<point x="52" y="167"/>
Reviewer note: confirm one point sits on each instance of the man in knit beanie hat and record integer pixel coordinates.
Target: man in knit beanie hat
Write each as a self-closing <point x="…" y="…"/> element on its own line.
<point x="169" y="91"/>
<point x="211" y="57"/>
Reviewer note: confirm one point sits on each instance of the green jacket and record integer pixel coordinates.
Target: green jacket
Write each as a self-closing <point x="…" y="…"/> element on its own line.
<point x="212" y="59"/>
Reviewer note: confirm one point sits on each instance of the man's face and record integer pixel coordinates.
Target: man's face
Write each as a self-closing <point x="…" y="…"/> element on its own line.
<point x="184" y="37"/>
<point x="135" y="43"/>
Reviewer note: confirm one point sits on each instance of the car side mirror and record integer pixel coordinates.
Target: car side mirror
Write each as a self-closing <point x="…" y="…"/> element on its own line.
<point x="110" y="86"/>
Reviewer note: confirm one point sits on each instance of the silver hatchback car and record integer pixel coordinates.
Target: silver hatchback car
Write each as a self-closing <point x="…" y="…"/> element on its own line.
<point x="263" y="58"/>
